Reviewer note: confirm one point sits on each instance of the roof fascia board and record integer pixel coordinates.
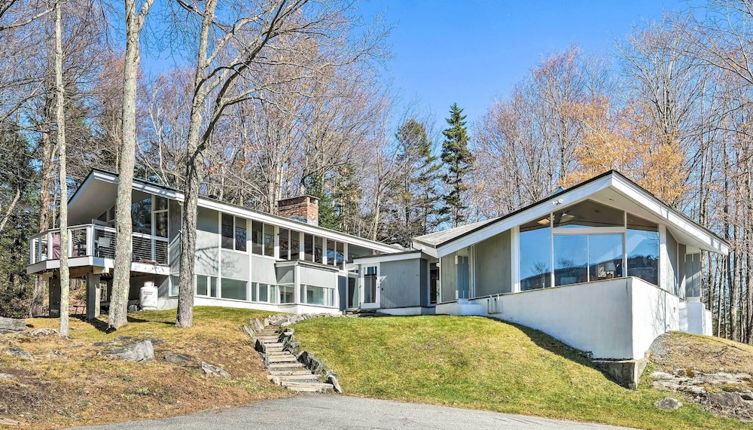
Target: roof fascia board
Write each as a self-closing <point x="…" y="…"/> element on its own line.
<point x="386" y="258"/>
<point x="564" y="198"/>
<point x="669" y="215"/>
<point x="234" y="210"/>
<point x="426" y="249"/>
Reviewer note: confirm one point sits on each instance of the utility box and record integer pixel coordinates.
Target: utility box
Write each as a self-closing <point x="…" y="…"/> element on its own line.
<point x="148" y="296"/>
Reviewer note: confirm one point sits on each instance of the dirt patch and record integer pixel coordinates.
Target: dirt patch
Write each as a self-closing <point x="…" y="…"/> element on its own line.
<point x="705" y="353"/>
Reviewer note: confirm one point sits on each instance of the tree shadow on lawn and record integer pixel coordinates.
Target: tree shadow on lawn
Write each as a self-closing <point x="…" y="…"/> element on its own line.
<point x="105" y="328"/>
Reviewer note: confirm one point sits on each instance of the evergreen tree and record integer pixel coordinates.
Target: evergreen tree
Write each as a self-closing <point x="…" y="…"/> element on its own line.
<point x="414" y="210"/>
<point x="347" y="200"/>
<point x="458" y="161"/>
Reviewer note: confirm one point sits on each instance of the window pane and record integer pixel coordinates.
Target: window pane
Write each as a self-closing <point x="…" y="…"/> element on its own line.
<point x="295" y="245"/>
<point x="284" y="243"/>
<point x="213" y="285"/>
<point x="256" y="233"/>
<point x="269" y="240"/>
<point x="174" y="285"/>
<point x="227" y="231"/>
<point x="263" y="293"/>
<point x="331" y="253"/>
<point x="589" y="214"/>
<point x="141" y="212"/>
<point x="339" y="254"/>
<point x="369" y="284"/>
<point x="273" y="294"/>
<point x="643" y="255"/>
<point x="201" y="285"/>
<point x="161" y="227"/>
<point x="535" y="246"/>
<point x="240" y="234"/>
<point x="287" y="294"/>
<point x="161" y="204"/>
<point x="233" y="289"/>
<point x="318" y="251"/>
<point x="570" y="259"/>
<point x="604" y="256"/>
<point x="316" y="295"/>
<point x="308" y="247"/>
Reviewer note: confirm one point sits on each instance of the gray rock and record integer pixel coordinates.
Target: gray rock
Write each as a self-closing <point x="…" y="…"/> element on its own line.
<point x="137" y="351"/>
<point x="747" y="396"/>
<point x="44" y="332"/>
<point x="332" y="379"/>
<point x="212" y="370"/>
<point x="6" y="376"/>
<point x="179" y="359"/>
<point x="725" y="400"/>
<point x="11" y="325"/>
<point x="18" y="352"/>
<point x="659" y="376"/>
<point x="668" y="403"/>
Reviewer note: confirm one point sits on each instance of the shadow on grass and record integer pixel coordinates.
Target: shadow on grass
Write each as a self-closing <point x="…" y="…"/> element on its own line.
<point x="105" y="328"/>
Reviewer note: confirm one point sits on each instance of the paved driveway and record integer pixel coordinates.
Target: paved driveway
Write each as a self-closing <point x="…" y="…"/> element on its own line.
<point x="317" y="411"/>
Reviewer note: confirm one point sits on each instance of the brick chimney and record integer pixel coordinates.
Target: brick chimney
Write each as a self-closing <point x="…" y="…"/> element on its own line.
<point x="300" y="208"/>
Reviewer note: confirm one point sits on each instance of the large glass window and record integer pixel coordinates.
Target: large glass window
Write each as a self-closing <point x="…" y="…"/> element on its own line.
<point x="263" y="293"/>
<point x="141" y="213"/>
<point x="287" y="294"/>
<point x="284" y="243"/>
<point x="570" y="259"/>
<point x="295" y="245"/>
<point x="605" y="253"/>
<point x="589" y="214"/>
<point x="269" y="240"/>
<point x="317" y="295"/>
<point x="318" y="249"/>
<point x="256" y="237"/>
<point x="535" y="270"/>
<point x="331" y="252"/>
<point x="340" y="254"/>
<point x="206" y="286"/>
<point x="233" y="289"/>
<point x="308" y="247"/>
<point x="642" y="249"/>
<point x="227" y="231"/>
<point x="240" y="234"/>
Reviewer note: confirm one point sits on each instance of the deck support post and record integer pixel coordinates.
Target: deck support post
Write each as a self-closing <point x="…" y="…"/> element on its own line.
<point x="92" y="296"/>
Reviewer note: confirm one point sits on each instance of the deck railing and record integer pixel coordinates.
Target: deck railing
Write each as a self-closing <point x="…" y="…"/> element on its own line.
<point x="96" y="241"/>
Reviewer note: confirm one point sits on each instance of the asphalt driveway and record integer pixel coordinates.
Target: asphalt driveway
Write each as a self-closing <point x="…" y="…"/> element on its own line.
<point x="343" y="412"/>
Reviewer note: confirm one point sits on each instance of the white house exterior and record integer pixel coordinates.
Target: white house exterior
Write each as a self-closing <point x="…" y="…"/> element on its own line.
<point x="603" y="266"/>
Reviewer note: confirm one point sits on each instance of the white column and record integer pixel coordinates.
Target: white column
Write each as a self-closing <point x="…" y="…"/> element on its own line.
<point x="324" y="250"/>
<point x="297" y="283"/>
<point x="515" y="259"/>
<point x="663" y="257"/>
<point x="301" y="246"/>
<point x="277" y="242"/>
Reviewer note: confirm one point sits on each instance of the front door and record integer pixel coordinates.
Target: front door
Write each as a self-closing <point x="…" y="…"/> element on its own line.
<point x="463" y="277"/>
<point x="433" y="283"/>
<point x="370" y="283"/>
<point x="352" y="292"/>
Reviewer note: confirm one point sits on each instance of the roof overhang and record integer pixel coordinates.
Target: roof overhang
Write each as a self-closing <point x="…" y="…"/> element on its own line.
<point x="99" y="181"/>
<point x="647" y="206"/>
<point x="411" y="255"/>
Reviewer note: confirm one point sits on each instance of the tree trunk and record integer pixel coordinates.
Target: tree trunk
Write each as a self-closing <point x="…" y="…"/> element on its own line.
<point x="118" y="315"/>
<point x="60" y="122"/>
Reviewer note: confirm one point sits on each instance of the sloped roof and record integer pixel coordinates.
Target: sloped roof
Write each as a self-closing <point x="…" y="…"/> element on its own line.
<point x="440" y="237"/>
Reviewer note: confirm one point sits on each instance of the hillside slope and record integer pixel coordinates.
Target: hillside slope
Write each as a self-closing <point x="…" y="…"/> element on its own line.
<point x="480" y="363"/>
<point x="70" y="382"/>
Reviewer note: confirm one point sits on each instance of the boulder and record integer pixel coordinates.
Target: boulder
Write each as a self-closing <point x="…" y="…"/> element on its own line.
<point x="44" y="332"/>
<point x="179" y="359"/>
<point x="747" y="396"/>
<point x="668" y="403"/>
<point x="6" y="376"/>
<point x="332" y="379"/>
<point x="725" y="400"/>
<point x="18" y="352"/>
<point x="660" y="376"/>
<point x="137" y="351"/>
<point x="212" y="370"/>
<point x="11" y="325"/>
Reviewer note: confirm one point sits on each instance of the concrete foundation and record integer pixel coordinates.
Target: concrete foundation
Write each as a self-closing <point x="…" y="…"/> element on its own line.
<point x="625" y="372"/>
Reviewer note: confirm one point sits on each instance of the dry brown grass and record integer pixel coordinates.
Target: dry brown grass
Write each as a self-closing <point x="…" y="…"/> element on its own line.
<point x="70" y="383"/>
<point x="677" y="350"/>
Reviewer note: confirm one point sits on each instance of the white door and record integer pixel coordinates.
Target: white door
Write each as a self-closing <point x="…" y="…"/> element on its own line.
<point x="370" y="287"/>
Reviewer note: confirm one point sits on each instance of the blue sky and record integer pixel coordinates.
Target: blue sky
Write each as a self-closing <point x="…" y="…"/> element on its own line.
<point x="473" y="52"/>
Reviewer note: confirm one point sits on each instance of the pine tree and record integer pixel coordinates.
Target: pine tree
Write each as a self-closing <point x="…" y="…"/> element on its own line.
<point x="458" y="161"/>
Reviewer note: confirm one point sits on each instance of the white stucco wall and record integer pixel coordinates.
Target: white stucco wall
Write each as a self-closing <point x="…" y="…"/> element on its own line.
<point x="655" y="312"/>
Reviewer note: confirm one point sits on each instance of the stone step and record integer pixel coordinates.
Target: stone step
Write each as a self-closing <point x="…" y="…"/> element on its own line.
<point x="290" y="359"/>
<point x="282" y="373"/>
<point x="308" y="386"/>
<point x="290" y="366"/>
<point x="269" y="339"/>
<point x="298" y="378"/>
<point x="271" y="342"/>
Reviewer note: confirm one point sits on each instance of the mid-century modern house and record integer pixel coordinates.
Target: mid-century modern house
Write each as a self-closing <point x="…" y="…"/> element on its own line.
<point x="603" y="266"/>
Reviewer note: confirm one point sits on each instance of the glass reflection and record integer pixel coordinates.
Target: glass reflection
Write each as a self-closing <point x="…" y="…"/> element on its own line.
<point x="570" y="259"/>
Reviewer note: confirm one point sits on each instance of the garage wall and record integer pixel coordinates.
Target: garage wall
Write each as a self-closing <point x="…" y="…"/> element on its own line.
<point x="400" y="283"/>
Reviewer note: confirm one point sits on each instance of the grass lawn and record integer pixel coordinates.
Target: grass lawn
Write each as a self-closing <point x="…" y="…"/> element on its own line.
<point x="479" y="363"/>
<point x="69" y="383"/>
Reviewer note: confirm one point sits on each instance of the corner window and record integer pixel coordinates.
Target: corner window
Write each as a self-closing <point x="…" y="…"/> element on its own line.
<point x="535" y="271"/>
<point x="287" y="294"/>
<point x="642" y="249"/>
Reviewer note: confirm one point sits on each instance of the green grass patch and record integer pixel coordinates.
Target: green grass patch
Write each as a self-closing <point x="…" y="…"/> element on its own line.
<point x="479" y="363"/>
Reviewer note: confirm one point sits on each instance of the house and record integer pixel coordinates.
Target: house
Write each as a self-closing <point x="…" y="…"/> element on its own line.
<point x="244" y="258"/>
<point x="603" y="266"/>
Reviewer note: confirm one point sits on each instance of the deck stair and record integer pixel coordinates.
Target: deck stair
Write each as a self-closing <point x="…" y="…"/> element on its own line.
<point x="283" y="367"/>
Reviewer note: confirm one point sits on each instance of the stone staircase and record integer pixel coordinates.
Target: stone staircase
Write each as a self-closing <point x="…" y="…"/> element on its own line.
<point x="284" y="368"/>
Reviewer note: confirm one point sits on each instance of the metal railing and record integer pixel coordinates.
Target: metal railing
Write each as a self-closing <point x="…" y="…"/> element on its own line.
<point x="96" y="241"/>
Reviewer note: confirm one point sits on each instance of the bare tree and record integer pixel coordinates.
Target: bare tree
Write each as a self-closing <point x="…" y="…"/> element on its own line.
<point x="118" y="315"/>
